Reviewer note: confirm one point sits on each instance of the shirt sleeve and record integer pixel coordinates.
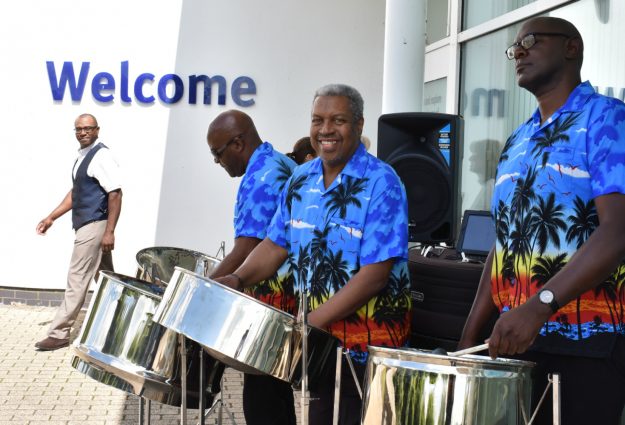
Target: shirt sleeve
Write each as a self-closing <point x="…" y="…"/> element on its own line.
<point x="280" y="227"/>
<point x="606" y="150"/>
<point x="105" y="169"/>
<point x="256" y="204"/>
<point x="386" y="226"/>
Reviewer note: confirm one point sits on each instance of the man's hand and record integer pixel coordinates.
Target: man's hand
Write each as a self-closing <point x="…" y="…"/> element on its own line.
<point x="108" y="242"/>
<point x="44" y="225"/>
<point x="231" y="281"/>
<point x="516" y="329"/>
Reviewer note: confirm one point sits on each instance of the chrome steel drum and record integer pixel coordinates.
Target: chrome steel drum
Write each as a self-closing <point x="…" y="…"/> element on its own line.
<point x="120" y="345"/>
<point x="238" y="330"/>
<point x="321" y="356"/>
<point x="156" y="264"/>
<point x="413" y="387"/>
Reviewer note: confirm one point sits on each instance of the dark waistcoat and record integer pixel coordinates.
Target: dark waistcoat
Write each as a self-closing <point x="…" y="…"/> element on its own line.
<point x="89" y="199"/>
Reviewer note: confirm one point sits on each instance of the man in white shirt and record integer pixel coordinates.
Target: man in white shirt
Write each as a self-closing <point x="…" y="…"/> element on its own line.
<point x="95" y="201"/>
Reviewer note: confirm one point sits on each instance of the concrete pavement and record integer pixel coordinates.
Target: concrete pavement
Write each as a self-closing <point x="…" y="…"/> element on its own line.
<point x="38" y="387"/>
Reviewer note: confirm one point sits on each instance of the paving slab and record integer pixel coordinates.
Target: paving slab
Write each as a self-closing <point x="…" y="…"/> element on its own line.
<point x="41" y="387"/>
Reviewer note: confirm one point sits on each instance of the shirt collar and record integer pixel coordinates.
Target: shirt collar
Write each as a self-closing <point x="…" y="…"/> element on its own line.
<point x="574" y="103"/>
<point x="264" y="149"/>
<point x="355" y="167"/>
<point x="85" y="151"/>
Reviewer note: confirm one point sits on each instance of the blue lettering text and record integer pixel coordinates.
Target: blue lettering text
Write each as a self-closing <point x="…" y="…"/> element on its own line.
<point x="169" y="90"/>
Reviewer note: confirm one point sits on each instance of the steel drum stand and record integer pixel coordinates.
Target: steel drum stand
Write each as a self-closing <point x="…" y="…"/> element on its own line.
<point x="217" y="404"/>
<point x="142" y="408"/>
<point x="302" y="318"/>
<point x="337" y="380"/>
<point x="183" y="375"/>
<point x="554" y="380"/>
<point x="305" y="398"/>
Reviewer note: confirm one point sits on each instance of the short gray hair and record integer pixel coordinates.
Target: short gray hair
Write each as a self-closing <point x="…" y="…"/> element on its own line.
<point x="356" y="104"/>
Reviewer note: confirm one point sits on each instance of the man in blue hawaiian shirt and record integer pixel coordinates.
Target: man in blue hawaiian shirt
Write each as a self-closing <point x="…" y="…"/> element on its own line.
<point x="237" y="147"/>
<point x="557" y="271"/>
<point x="342" y="224"/>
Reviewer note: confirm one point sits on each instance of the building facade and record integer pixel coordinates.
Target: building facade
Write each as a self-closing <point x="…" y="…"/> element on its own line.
<point x="467" y="72"/>
<point x="155" y="73"/>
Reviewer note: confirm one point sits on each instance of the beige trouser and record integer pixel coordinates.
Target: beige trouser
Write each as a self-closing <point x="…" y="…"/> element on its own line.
<point x="87" y="259"/>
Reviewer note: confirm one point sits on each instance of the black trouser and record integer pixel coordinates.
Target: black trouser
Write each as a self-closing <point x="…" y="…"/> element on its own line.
<point x="267" y="401"/>
<point x="321" y="409"/>
<point x="592" y="389"/>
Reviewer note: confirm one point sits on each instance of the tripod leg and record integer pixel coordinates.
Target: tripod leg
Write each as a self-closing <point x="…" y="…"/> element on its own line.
<point x="144" y="410"/>
<point x="230" y="415"/>
<point x="183" y="376"/>
<point x="201" y="387"/>
<point x="220" y="405"/>
<point x="337" y="385"/>
<point x="351" y="367"/>
<point x="555" y="379"/>
<point x="141" y="403"/>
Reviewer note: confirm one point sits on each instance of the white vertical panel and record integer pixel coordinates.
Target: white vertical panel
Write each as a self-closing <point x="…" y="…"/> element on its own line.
<point x="404" y="56"/>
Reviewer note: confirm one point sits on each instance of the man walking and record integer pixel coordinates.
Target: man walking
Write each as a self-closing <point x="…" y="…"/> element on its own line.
<point x="95" y="201"/>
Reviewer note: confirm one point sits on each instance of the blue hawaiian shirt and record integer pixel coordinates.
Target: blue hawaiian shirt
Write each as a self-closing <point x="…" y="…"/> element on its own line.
<point x="360" y="219"/>
<point x="543" y="203"/>
<point x="265" y="176"/>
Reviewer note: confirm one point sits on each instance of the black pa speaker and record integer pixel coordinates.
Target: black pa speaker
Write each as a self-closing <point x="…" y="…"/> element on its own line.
<point x="424" y="150"/>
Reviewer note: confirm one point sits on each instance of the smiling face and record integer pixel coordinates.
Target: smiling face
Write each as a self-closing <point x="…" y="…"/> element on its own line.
<point x="334" y="134"/>
<point x="86" y="130"/>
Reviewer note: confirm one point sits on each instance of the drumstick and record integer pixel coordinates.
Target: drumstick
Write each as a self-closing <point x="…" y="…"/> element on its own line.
<point x="469" y="350"/>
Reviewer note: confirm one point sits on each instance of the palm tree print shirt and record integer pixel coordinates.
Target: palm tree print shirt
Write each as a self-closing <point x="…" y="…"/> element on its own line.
<point x="543" y="204"/>
<point x="360" y="219"/>
<point x="257" y="199"/>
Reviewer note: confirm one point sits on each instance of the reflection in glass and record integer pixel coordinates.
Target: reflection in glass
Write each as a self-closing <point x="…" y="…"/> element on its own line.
<point x="479" y="11"/>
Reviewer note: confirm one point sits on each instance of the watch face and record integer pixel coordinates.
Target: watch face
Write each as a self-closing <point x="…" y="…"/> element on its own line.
<point x="546" y="296"/>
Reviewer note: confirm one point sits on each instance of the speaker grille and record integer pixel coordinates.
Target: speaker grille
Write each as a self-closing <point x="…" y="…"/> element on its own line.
<point x="428" y="189"/>
<point x="424" y="150"/>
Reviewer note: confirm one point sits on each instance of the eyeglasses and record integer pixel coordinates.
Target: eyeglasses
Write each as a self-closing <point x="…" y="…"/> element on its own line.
<point x="218" y="152"/>
<point x="528" y="41"/>
<point x="85" y="129"/>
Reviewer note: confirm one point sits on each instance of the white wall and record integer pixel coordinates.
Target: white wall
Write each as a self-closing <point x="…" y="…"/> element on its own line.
<point x="173" y="193"/>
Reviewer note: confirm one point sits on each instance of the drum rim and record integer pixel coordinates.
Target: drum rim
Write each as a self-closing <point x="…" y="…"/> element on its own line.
<point x="249" y="297"/>
<point x="469" y="359"/>
<point x="114" y="277"/>
<point x="174" y="248"/>
<point x="234" y="291"/>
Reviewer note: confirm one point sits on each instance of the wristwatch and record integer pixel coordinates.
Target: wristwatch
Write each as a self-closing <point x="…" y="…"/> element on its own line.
<point x="546" y="297"/>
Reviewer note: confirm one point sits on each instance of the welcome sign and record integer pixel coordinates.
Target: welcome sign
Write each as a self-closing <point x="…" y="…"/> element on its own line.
<point x="169" y="89"/>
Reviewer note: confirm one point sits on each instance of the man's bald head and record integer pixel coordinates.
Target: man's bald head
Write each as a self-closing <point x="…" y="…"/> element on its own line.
<point x="233" y="138"/>
<point x="231" y="120"/>
<point x="556" y="25"/>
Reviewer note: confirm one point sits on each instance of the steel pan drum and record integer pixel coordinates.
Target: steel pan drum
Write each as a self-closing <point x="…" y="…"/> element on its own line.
<point x="413" y="387"/>
<point x="240" y="331"/>
<point x="156" y="264"/>
<point x="119" y="344"/>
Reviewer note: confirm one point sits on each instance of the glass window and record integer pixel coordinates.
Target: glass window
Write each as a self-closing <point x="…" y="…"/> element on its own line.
<point x="437" y="27"/>
<point x="435" y="95"/>
<point x="479" y="11"/>
<point x="493" y="105"/>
